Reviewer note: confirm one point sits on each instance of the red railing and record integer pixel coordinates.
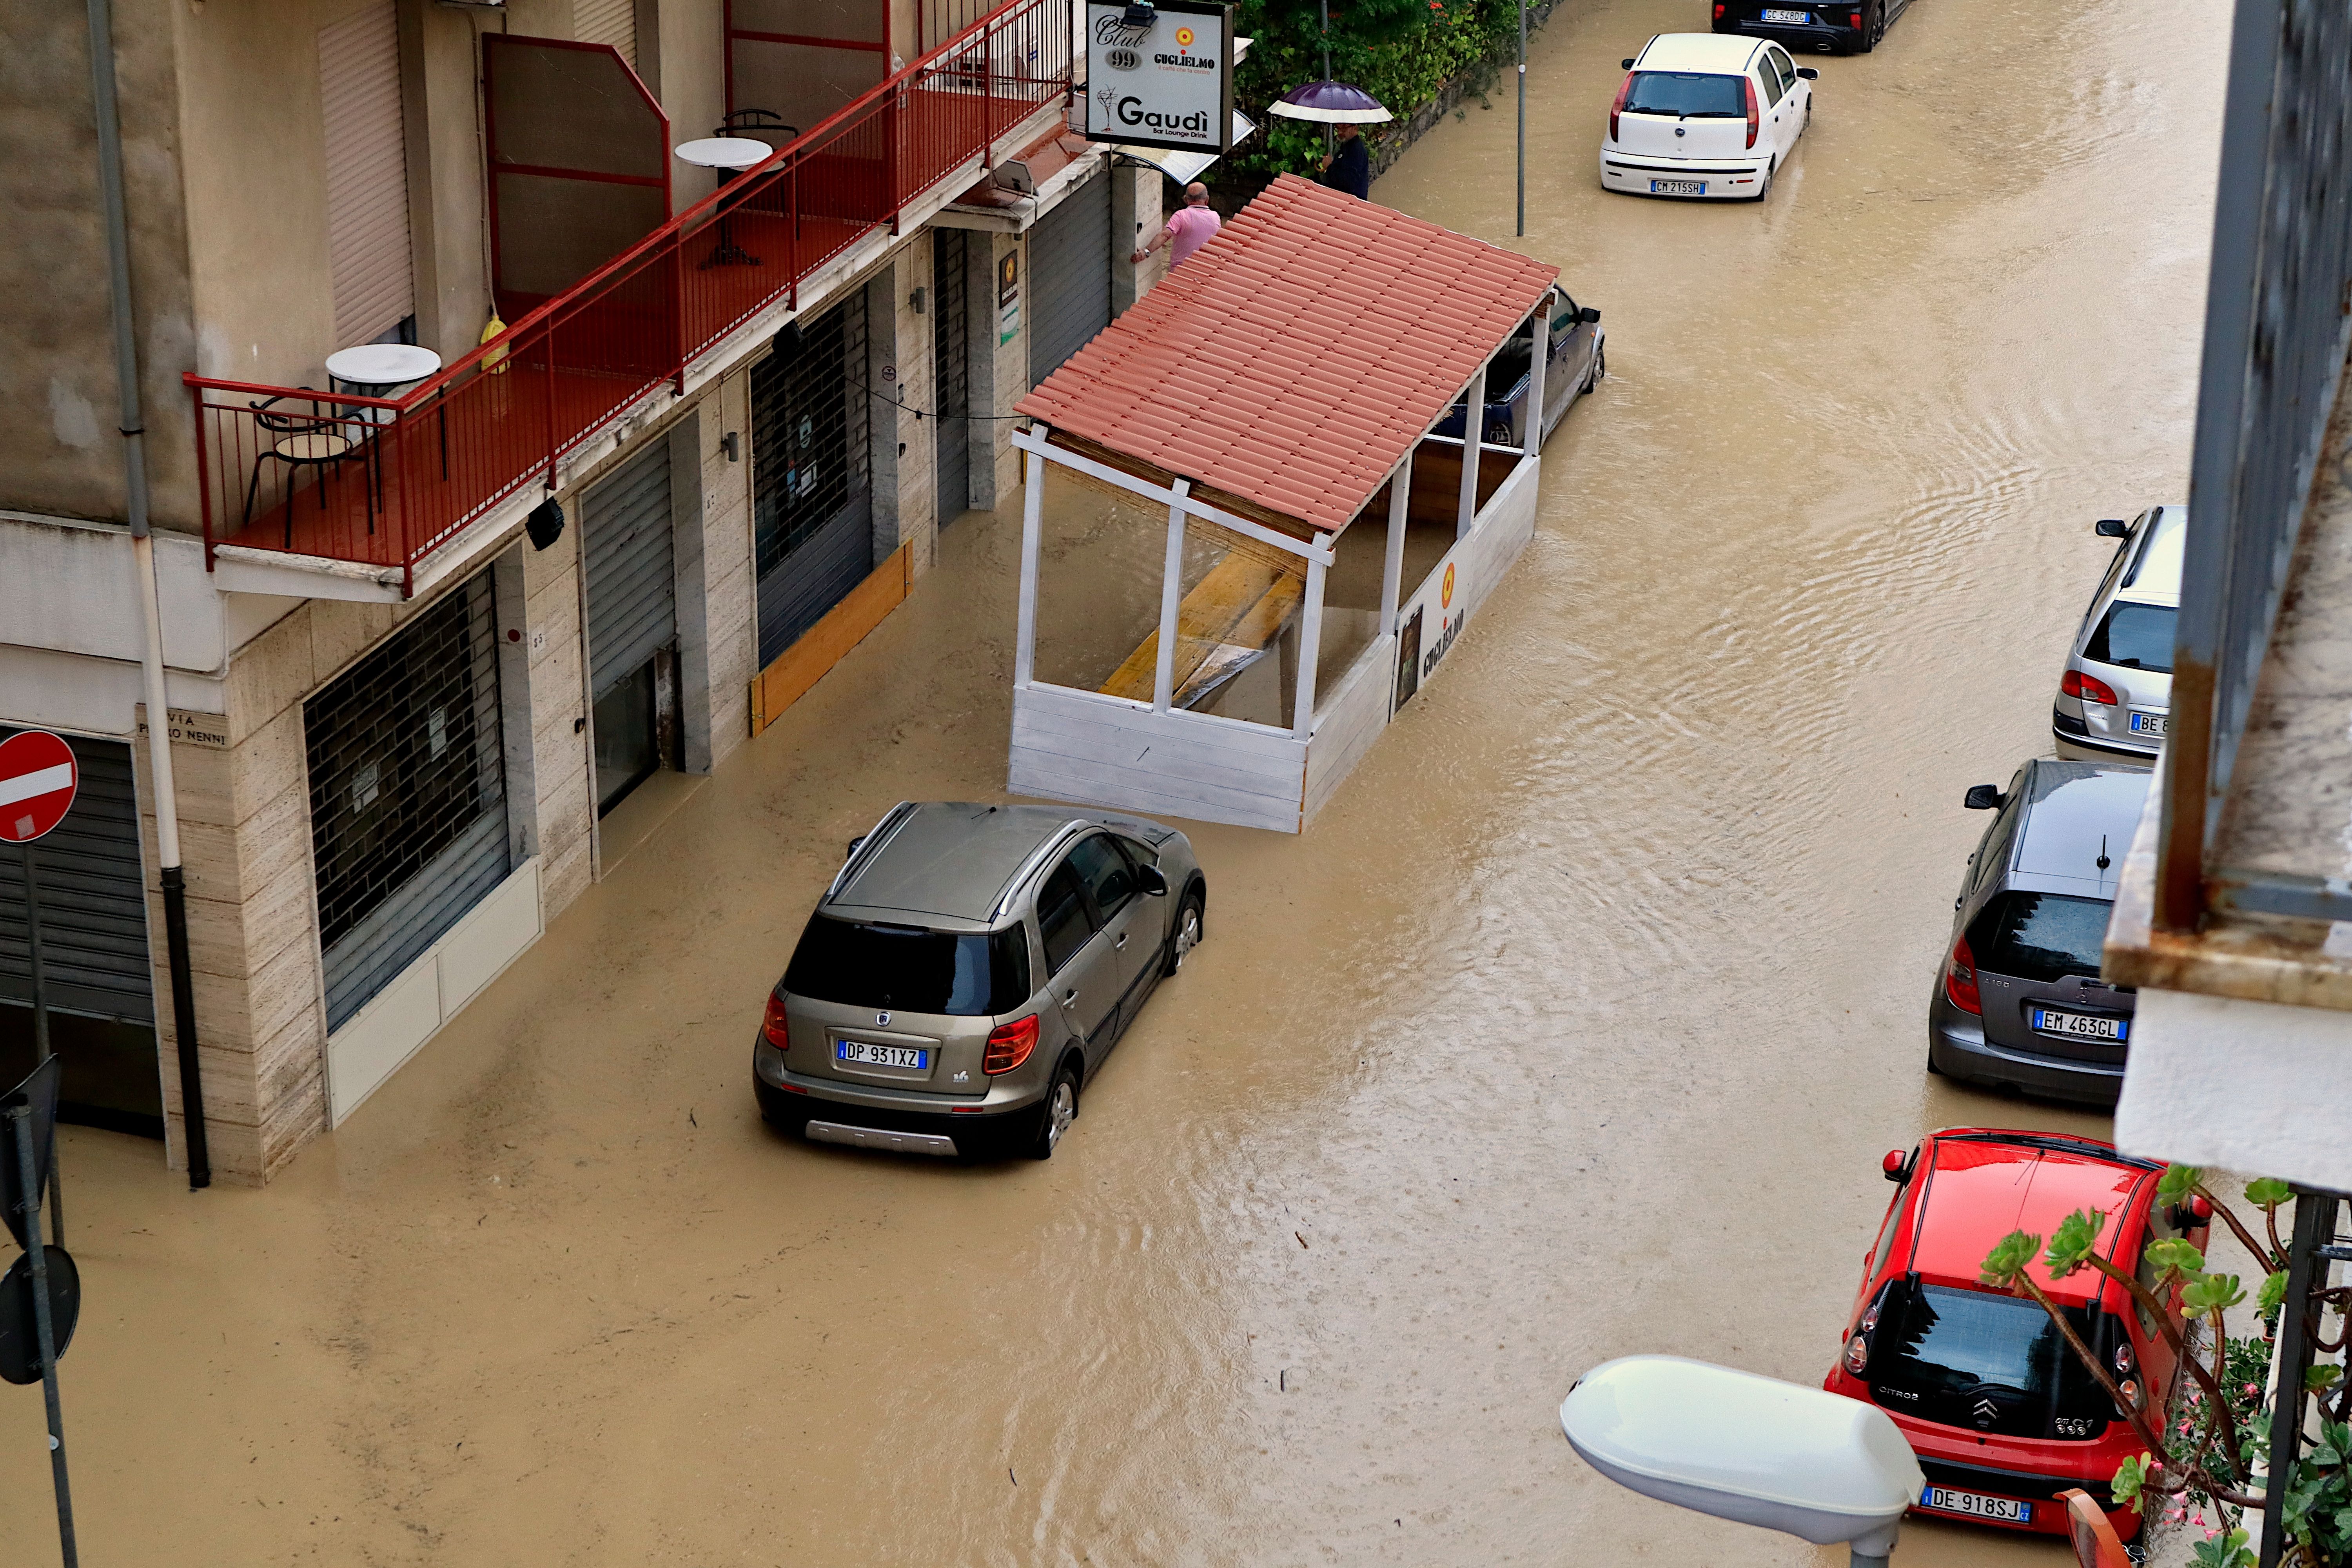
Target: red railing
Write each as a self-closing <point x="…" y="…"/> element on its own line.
<point x="383" y="482"/>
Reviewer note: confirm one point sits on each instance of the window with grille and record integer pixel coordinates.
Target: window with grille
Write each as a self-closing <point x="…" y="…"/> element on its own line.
<point x="812" y="511"/>
<point x="408" y="793"/>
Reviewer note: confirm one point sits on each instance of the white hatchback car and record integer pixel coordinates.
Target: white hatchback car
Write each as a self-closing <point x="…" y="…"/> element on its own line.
<point x="1707" y="115"/>
<point x="2114" y="699"/>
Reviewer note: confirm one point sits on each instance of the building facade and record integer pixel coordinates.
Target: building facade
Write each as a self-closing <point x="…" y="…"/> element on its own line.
<point x="404" y="699"/>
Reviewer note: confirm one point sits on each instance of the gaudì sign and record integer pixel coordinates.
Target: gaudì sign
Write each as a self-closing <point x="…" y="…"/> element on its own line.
<point x="1166" y="82"/>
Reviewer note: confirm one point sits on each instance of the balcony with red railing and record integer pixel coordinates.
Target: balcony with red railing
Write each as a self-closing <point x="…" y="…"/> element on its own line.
<point x="384" y="481"/>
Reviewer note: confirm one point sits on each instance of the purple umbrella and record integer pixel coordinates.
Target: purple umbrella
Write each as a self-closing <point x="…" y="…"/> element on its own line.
<point x="1330" y="104"/>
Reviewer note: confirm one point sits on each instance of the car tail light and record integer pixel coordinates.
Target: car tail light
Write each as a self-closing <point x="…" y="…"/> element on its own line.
<point x="1618" y="108"/>
<point x="1855" y="21"/>
<point x="1719" y="10"/>
<point x="1755" y="115"/>
<point x="2089" y="688"/>
<point x="1857" y="1354"/>
<point x="778" y="1033"/>
<point x="2123" y="1359"/>
<point x="1009" y="1045"/>
<point x="2129" y="1388"/>
<point x="1960" y="979"/>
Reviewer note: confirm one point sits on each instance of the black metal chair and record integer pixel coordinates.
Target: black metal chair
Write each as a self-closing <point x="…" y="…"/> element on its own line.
<point x="303" y="440"/>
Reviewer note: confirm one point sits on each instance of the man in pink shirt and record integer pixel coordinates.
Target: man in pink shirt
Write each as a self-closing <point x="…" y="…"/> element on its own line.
<point x="1189" y="228"/>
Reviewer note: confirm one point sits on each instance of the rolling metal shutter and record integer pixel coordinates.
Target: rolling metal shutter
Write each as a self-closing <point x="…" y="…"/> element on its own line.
<point x="812" y="510"/>
<point x="612" y="22"/>
<point x="632" y="577"/>
<point x="367" y="175"/>
<point x="408" y="816"/>
<point x="93" y="899"/>
<point x="951" y="367"/>
<point x="1069" y="276"/>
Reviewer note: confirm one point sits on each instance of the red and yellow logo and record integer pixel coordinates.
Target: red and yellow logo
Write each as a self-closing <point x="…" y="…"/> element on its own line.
<point x="1183" y="38"/>
<point x="1446" y="589"/>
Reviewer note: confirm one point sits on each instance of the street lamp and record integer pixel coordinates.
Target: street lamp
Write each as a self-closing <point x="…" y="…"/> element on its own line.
<point x="1813" y="1463"/>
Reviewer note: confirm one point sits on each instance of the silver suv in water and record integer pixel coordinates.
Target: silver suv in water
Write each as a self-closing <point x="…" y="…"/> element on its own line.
<point x="2115" y="697"/>
<point x="967" y="973"/>
<point x="2018" y="1000"/>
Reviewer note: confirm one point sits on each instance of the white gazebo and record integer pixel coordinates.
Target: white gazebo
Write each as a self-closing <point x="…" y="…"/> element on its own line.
<point x="1202" y="632"/>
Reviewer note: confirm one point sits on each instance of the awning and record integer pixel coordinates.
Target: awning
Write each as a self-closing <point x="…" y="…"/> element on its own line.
<point x="1186" y="167"/>
<point x="1297" y="356"/>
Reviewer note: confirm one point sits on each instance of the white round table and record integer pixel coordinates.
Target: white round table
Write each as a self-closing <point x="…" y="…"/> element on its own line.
<point x="381" y="364"/>
<point x="730" y="155"/>
<point x="725" y="151"/>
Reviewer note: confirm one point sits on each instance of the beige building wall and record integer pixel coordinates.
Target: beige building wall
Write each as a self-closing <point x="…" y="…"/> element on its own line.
<point x="728" y="584"/>
<point x="59" y="450"/>
<point x="900" y="375"/>
<point x="563" y="809"/>
<point x="1000" y="377"/>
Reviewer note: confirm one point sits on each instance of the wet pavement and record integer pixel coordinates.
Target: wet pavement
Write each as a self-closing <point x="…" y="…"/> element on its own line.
<point x="1575" y="1026"/>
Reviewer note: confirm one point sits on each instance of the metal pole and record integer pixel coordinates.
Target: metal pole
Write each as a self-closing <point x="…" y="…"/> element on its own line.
<point x="1331" y="136"/>
<point x="2315" y="1227"/>
<point x="142" y="553"/>
<point x="21" y="1135"/>
<point x="41" y="1019"/>
<point x="1522" y="119"/>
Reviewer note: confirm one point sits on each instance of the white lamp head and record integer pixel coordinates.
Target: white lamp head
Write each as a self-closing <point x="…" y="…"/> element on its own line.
<point x="1740" y="1446"/>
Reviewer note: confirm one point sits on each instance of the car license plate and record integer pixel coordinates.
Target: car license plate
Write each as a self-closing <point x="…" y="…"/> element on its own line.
<point x="2153" y="724"/>
<point x="2009" y="1511"/>
<point x="2081" y="1025"/>
<point x="1678" y="188"/>
<point x="1798" y="18"/>
<point x="874" y="1055"/>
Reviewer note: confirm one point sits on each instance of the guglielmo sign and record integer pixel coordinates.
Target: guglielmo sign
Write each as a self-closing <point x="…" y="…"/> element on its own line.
<point x="1167" y="83"/>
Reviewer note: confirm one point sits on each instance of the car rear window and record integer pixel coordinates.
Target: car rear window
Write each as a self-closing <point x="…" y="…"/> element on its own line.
<point x="2138" y="636"/>
<point x="862" y="964"/>
<point x="1688" y="93"/>
<point x="2040" y="936"/>
<point x="1988" y="1362"/>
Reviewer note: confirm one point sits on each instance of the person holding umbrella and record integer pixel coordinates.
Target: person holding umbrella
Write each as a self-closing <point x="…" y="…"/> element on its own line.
<point x="1348" y="166"/>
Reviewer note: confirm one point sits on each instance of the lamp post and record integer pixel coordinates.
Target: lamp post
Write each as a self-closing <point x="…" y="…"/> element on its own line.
<point x="1523" y="118"/>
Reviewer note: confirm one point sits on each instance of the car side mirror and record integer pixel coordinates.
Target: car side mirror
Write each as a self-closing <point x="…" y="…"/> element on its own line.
<point x="1984" y="797"/>
<point x="853" y="846"/>
<point x="1587" y="314"/>
<point x="1896" y="1165"/>
<point x="1809" y="73"/>
<point x="1150" y="879"/>
<point x="2111" y="527"/>
<point x="1625" y="64"/>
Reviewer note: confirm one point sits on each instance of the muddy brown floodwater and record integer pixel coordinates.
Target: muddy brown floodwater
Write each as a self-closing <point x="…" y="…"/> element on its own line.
<point x="1575" y="1026"/>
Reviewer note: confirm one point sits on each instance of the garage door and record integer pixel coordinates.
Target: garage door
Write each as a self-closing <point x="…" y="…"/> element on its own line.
<point x="632" y="620"/>
<point x="812" y="507"/>
<point x="1069" y="276"/>
<point x="93" y="905"/>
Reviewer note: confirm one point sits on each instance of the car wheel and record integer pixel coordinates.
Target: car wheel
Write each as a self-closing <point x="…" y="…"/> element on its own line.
<point x="1771" y="170"/>
<point x="1190" y="928"/>
<point x="1060" y="1110"/>
<point x="1867" y="40"/>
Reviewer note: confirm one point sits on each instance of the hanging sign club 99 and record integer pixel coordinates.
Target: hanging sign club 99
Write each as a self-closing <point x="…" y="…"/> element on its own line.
<point x="1167" y="83"/>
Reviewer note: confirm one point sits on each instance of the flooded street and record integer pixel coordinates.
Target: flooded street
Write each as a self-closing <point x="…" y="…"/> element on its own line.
<point x="1576" y="1026"/>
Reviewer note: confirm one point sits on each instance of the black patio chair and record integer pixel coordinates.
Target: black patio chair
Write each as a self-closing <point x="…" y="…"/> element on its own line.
<point x="303" y="440"/>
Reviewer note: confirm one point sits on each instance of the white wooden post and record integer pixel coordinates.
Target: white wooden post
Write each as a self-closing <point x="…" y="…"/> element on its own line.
<point x="1032" y="517"/>
<point x="1310" y="644"/>
<point x="1172" y="595"/>
<point x="1474" y="431"/>
<point x="1392" y="564"/>
<point x="1540" y="353"/>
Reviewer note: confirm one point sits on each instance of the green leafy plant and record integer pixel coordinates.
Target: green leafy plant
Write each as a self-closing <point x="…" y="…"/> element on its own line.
<point x="2212" y="1455"/>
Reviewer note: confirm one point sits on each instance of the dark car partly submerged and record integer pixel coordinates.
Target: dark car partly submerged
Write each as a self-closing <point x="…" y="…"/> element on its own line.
<point x="1851" y="28"/>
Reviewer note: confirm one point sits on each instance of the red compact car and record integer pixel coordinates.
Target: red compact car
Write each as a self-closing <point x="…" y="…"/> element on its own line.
<point x="2002" y="1414"/>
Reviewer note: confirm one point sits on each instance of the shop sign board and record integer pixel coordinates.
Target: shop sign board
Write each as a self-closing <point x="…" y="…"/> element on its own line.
<point x="1166" y="83"/>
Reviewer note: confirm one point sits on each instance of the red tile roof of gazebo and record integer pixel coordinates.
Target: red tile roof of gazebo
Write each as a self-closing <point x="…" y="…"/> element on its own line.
<point x="1299" y="355"/>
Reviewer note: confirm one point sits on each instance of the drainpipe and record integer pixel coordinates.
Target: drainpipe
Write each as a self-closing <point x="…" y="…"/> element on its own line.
<point x="142" y="551"/>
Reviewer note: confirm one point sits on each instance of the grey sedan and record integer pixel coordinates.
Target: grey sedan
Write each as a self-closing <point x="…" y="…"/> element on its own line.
<point x="967" y="972"/>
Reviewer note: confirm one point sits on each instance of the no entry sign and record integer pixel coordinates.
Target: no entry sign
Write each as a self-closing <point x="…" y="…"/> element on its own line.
<point x="38" y="779"/>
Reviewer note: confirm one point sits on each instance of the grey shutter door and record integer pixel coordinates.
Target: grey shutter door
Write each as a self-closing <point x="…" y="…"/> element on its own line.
<point x="612" y="22"/>
<point x="1069" y="276"/>
<point x="632" y="578"/>
<point x="93" y="899"/>
<point x="367" y="175"/>
<point x="951" y="371"/>
<point x="408" y="818"/>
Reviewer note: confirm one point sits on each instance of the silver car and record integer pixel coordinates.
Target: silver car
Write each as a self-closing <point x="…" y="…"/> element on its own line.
<point x="2115" y="698"/>
<point x="967" y="973"/>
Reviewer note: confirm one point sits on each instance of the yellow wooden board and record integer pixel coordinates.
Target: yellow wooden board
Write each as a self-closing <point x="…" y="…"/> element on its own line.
<point x="788" y="679"/>
<point x="1231" y="615"/>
